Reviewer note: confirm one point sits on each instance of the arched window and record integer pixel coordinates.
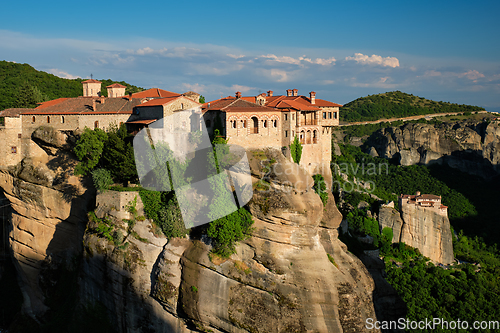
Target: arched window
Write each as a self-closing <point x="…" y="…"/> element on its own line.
<point x="264" y="122"/>
<point x="315" y="136"/>
<point x="182" y="106"/>
<point x="308" y="139"/>
<point x="255" y="123"/>
<point x="244" y="123"/>
<point x="275" y="123"/>
<point x="48" y="119"/>
<point x="33" y="119"/>
<point x="233" y="123"/>
<point x="62" y="119"/>
<point x="96" y="124"/>
<point x="302" y="137"/>
<point x="208" y="123"/>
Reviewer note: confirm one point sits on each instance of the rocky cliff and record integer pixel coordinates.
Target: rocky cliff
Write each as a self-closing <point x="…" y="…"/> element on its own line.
<point x="421" y="228"/>
<point x="280" y="280"/>
<point x="471" y="146"/>
<point x="292" y="275"/>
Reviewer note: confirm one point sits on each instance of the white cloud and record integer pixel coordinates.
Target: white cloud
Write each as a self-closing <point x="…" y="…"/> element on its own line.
<point x="374" y="60"/>
<point x="298" y="61"/>
<point x="62" y="74"/>
<point x="235" y="56"/>
<point x="240" y="88"/>
<point x="472" y="75"/>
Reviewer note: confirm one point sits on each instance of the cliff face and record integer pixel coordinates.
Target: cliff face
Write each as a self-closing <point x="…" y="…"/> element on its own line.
<point x="280" y="279"/>
<point x="48" y="209"/>
<point x="292" y="275"/>
<point x="470" y="146"/>
<point x="421" y="228"/>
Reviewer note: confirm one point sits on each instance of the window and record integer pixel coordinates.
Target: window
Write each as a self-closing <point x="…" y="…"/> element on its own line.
<point x="33" y="119"/>
<point x="233" y="123"/>
<point x="286" y="134"/>
<point x="62" y="119"/>
<point x="244" y="123"/>
<point x="293" y="116"/>
<point x="335" y="115"/>
<point x="96" y="124"/>
<point x="48" y="119"/>
<point x="324" y="115"/>
<point x="286" y="116"/>
<point x="329" y="115"/>
<point x="13" y="150"/>
<point x="265" y="123"/>
<point x="255" y="128"/>
<point x="182" y="106"/>
<point x="19" y="135"/>
<point x="275" y="123"/>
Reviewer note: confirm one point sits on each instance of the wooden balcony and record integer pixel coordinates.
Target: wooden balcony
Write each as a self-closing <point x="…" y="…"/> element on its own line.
<point x="309" y="122"/>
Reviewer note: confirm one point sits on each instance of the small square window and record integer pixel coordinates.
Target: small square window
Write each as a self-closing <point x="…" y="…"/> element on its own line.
<point x="19" y="135"/>
<point x="286" y="116"/>
<point x="324" y="115"/>
<point x="13" y="150"/>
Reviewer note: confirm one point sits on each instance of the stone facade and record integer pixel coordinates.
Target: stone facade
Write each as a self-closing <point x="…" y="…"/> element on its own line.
<point x="10" y="135"/>
<point x="115" y="203"/>
<point x="274" y="121"/>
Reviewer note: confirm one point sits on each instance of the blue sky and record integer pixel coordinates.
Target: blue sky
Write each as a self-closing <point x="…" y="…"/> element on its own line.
<point x="442" y="50"/>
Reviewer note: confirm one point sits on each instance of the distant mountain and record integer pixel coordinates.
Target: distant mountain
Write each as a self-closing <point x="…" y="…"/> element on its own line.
<point x="397" y="104"/>
<point x="23" y="86"/>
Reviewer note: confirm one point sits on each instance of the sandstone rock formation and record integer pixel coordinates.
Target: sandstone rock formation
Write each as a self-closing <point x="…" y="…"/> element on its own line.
<point x="292" y="275"/>
<point x="470" y="146"/>
<point x="421" y="228"/>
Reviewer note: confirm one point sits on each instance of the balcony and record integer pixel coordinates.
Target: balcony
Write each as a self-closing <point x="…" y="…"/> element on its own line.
<point x="309" y="122"/>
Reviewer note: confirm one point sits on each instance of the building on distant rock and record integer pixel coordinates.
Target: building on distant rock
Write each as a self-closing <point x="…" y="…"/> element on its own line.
<point x="429" y="201"/>
<point x="266" y="120"/>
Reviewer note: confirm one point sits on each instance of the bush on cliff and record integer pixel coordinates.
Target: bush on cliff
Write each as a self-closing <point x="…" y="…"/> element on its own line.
<point x="296" y="150"/>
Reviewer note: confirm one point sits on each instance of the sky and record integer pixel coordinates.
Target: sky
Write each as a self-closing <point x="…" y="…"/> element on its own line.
<point x="442" y="50"/>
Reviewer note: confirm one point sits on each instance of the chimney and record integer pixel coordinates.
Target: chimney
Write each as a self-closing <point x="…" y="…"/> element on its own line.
<point x="270" y="93"/>
<point x="93" y="105"/>
<point x="312" y="97"/>
<point x="102" y="99"/>
<point x="418" y="193"/>
<point x="238" y="94"/>
<point x="295" y="92"/>
<point x="289" y="92"/>
<point x="129" y="96"/>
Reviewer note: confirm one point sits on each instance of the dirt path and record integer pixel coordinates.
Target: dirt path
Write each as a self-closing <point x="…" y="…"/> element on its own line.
<point x="427" y="116"/>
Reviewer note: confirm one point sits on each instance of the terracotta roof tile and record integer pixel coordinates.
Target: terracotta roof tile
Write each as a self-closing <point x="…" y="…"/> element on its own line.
<point x="83" y="105"/>
<point x="50" y="103"/>
<point x="155" y="93"/>
<point x="116" y="85"/>
<point x="159" y="101"/>
<point x="91" y="81"/>
<point x="13" y="112"/>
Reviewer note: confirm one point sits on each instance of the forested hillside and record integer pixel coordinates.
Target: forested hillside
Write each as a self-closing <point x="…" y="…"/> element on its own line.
<point x="23" y="86"/>
<point x="397" y="104"/>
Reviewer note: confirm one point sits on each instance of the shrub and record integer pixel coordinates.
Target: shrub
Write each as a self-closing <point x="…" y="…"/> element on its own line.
<point x="170" y="220"/>
<point x="102" y="179"/>
<point x="320" y="188"/>
<point x="228" y="230"/>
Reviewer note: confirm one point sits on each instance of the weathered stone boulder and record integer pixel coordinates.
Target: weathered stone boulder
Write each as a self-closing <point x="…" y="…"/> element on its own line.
<point x="389" y="217"/>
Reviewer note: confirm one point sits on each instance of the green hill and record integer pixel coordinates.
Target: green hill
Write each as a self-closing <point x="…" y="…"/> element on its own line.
<point x="396" y="104"/>
<point x="23" y="86"/>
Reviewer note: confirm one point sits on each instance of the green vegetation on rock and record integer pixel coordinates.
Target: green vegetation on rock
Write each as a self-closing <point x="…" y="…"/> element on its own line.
<point x="396" y="104"/>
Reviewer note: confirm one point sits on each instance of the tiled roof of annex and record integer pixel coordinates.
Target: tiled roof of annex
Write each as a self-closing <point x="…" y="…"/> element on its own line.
<point x="155" y="93"/>
<point x="233" y="104"/>
<point x="116" y="85"/>
<point x="13" y="112"/>
<point x="84" y="105"/>
<point x="295" y="102"/>
<point x="163" y="101"/>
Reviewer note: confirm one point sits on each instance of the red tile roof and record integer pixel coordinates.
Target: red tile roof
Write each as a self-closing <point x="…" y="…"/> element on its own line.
<point x="84" y="105"/>
<point x="91" y="81"/>
<point x="116" y="85"/>
<point x="144" y="121"/>
<point x="231" y="104"/>
<point x="13" y="112"/>
<point x="159" y="101"/>
<point x="154" y="92"/>
<point x="50" y="103"/>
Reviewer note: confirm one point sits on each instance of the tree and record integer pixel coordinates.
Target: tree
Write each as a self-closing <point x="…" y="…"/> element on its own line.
<point x="202" y="99"/>
<point x="88" y="149"/>
<point x="296" y="150"/>
<point x="118" y="155"/>
<point x="102" y="179"/>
